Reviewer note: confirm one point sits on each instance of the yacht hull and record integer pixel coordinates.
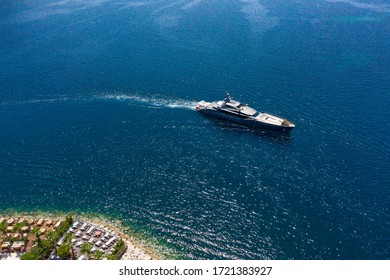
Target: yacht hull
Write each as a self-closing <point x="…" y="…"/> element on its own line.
<point x="245" y="121"/>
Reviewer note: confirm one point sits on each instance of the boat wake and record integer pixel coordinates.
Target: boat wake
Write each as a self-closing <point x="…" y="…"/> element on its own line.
<point x="34" y="101"/>
<point x="153" y="102"/>
<point x="150" y="102"/>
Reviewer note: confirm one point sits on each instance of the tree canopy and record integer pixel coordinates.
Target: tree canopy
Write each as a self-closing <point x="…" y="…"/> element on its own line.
<point x="86" y="248"/>
<point x="63" y="251"/>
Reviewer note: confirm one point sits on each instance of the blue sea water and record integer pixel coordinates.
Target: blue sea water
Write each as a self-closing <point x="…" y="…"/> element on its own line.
<point x="96" y="115"/>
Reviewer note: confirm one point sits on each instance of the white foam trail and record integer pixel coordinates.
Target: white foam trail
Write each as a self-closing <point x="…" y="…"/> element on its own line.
<point x="380" y="8"/>
<point x="51" y="100"/>
<point x="155" y="102"/>
<point x="258" y="15"/>
<point x="191" y="4"/>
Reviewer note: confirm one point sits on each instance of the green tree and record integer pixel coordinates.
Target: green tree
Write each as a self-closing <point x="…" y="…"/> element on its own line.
<point x="97" y="255"/>
<point x="63" y="251"/>
<point x="17" y="227"/>
<point x="38" y="240"/>
<point x="35" y="230"/>
<point x="45" y="247"/>
<point x="111" y="257"/>
<point x="118" y="246"/>
<point x="68" y="240"/>
<point x="51" y="237"/>
<point x="3" y="227"/>
<point x="86" y="248"/>
<point x="29" y="256"/>
<point x="69" y="220"/>
<point x="36" y="253"/>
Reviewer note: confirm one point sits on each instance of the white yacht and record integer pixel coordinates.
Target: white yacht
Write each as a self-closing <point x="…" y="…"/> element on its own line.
<point x="237" y="112"/>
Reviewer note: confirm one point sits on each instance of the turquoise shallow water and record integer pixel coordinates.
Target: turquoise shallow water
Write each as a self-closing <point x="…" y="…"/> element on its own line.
<point x="96" y="110"/>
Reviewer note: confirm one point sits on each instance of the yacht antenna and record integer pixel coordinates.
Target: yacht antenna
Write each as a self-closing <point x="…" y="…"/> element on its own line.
<point x="227" y="97"/>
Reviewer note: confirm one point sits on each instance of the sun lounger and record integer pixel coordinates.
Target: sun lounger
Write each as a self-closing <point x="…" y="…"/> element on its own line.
<point x="58" y="224"/>
<point x="75" y="225"/>
<point x="5" y="246"/>
<point x="17" y="245"/>
<point x="84" y="226"/>
<point x="59" y="243"/>
<point x="110" y="241"/>
<point x="91" y="230"/>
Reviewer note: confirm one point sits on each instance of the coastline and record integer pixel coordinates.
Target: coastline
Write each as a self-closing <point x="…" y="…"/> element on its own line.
<point x="136" y="249"/>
